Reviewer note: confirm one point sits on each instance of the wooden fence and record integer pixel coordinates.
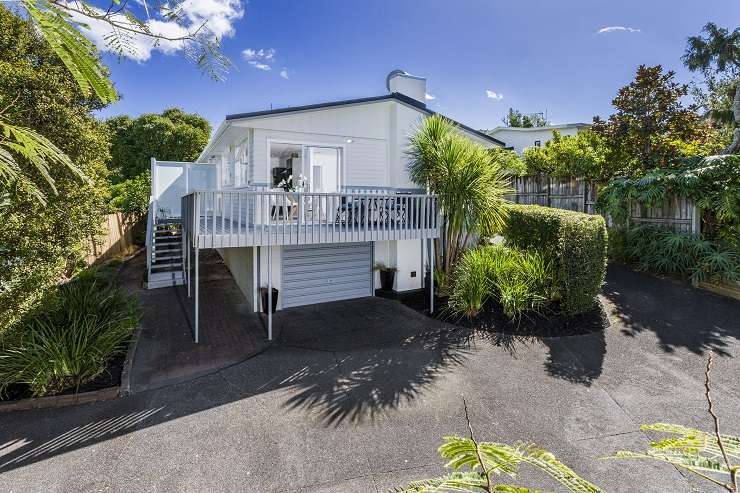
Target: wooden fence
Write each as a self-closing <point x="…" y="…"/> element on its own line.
<point x="118" y="238"/>
<point x="677" y="213"/>
<point x="572" y="194"/>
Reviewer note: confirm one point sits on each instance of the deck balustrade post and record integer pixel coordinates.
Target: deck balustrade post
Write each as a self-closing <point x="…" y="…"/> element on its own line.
<point x="269" y="291"/>
<point x="431" y="276"/>
<point x="196" y="295"/>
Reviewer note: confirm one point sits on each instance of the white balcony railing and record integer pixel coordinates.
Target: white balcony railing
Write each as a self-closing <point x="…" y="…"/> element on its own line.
<point x="220" y="219"/>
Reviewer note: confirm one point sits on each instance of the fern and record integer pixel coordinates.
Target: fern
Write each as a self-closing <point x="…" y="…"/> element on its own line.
<point x="484" y="459"/>
<point x="475" y="463"/>
<point x="77" y="53"/>
<point x="40" y="152"/>
<point x="454" y="481"/>
<point x="707" y="455"/>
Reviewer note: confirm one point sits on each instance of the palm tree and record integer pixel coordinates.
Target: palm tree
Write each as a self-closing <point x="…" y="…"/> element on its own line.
<point x="719" y="51"/>
<point x="468" y="182"/>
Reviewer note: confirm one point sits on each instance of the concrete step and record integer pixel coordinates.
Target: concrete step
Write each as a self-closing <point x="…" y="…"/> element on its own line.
<point x="164" y="279"/>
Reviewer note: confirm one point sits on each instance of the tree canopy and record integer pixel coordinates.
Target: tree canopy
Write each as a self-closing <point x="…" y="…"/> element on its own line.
<point x="41" y="244"/>
<point x="717" y="55"/>
<point x="651" y="125"/>
<point x="172" y="135"/>
<point x="515" y="118"/>
<point x="580" y="155"/>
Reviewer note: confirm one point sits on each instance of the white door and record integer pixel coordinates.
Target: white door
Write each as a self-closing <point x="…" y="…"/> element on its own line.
<point x="324" y="169"/>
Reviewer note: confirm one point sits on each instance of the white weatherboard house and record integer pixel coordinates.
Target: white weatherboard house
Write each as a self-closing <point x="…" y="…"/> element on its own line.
<point x="304" y="200"/>
<point x="520" y="138"/>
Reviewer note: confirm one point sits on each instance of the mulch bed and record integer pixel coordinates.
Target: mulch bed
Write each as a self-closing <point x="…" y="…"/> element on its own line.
<point x="111" y="377"/>
<point x="550" y="323"/>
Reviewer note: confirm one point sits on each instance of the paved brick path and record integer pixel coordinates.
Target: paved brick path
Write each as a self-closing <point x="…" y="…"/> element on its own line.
<point x="166" y="353"/>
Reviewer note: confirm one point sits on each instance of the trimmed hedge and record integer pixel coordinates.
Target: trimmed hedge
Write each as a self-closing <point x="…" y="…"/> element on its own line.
<point x="576" y="240"/>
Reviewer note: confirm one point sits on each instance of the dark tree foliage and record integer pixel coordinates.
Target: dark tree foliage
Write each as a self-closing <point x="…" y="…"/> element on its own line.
<point x="171" y="136"/>
<point x="718" y="53"/>
<point x="39" y="245"/>
<point x="651" y="126"/>
<point x="515" y="118"/>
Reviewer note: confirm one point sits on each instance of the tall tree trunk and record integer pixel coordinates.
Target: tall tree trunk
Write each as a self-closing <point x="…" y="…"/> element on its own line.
<point x="734" y="147"/>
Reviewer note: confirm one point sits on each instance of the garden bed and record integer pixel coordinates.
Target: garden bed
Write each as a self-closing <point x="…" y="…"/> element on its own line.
<point x="550" y="323"/>
<point x="110" y="377"/>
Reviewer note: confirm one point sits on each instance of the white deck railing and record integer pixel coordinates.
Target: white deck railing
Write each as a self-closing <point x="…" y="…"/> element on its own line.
<point x="221" y="219"/>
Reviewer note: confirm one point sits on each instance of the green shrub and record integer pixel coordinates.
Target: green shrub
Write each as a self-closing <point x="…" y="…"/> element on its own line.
<point x="661" y="250"/>
<point x="473" y="282"/>
<point x="132" y="195"/>
<point x="519" y="281"/>
<point x="575" y="241"/>
<point x="70" y="344"/>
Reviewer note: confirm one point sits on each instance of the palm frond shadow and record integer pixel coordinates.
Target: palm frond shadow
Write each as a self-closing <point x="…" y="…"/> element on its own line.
<point x="366" y="383"/>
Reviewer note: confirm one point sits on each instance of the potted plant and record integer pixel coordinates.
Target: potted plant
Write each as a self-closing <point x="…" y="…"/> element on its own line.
<point x="387" y="276"/>
<point x="265" y="301"/>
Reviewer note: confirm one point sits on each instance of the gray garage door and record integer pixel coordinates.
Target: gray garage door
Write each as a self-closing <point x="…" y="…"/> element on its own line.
<point x="320" y="273"/>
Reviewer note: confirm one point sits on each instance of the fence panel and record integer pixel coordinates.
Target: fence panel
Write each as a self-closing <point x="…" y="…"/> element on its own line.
<point x="118" y="238"/>
<point x="677" y="213"/>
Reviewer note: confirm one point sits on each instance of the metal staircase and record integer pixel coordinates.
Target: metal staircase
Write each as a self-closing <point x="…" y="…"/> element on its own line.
<point x="166" y="254"/>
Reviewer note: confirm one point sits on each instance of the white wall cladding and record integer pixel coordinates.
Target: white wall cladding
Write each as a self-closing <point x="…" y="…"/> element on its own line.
<point x="365" y="159"/>
<point x="362" y="120"/>
<point x="240" y="263"/>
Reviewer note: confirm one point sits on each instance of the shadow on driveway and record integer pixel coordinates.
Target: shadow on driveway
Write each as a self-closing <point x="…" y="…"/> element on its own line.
<point x="351" y="361"/>
<point x="680" y="316"/>
<point x="342" y="362"/>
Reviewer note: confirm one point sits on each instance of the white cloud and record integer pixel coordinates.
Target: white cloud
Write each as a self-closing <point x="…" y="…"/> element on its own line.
<point x="429" y="97"/>
<point x="614" y="29"/>
<point x="262" y="59"/>
<point x="267" y="55"/>
<point x="259" y="65"/>
<point x="284" y="74"/>
<point x="218" y="15"/>
<point x="494" y="95"/>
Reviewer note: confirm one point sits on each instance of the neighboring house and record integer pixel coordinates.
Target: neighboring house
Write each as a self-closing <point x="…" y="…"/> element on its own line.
<point x="304" y="199"/>
<point x="520" y="138"/>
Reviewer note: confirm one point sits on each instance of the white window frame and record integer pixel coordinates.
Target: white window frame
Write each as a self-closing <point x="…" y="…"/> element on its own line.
<point x="304" y="155"/>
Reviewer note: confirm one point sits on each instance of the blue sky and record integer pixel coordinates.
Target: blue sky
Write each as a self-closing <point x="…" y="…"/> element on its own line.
<point x="534" y="55"/>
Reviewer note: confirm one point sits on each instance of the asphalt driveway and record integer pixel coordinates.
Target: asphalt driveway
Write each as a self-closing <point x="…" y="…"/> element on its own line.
<point x="356" y="395"/>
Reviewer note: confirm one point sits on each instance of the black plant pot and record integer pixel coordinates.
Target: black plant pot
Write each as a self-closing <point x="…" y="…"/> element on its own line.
<point x="386" y="279"/>
<point x="265" y="301"/>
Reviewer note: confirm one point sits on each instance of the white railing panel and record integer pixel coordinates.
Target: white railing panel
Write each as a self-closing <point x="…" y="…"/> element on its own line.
<point x="246" y="218"/>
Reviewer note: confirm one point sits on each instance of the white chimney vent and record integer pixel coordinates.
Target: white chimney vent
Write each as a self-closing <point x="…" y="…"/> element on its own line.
<point x="409" y="85"/>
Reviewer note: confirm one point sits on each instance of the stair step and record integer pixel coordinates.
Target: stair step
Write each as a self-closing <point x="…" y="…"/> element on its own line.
<point x="166" y="250"/>
<point x="167" y="256"/>
<point x="168" y="239"/>
<point x="159" y="260"/>
<point x="167" y="267"/>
